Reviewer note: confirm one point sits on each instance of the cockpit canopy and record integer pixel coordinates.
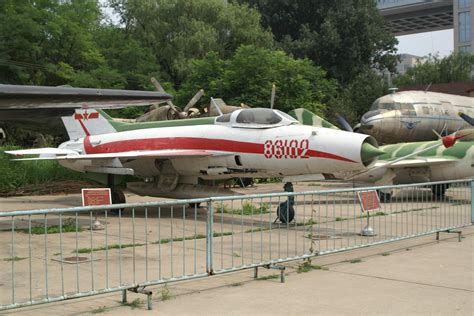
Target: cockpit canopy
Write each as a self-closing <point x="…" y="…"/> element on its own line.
<point x="256" y="118"/>
<point x="384" y="104"/>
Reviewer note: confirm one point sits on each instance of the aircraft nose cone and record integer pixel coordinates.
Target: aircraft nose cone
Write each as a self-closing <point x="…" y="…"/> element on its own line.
<point x="368" y="152"/>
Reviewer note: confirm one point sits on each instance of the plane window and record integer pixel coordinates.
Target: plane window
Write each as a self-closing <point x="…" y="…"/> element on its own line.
<point x="224" y="118"/>
<point x="288" y="117"/>
<point x="385" y="106"/>
<point x="258" y="116"/>
<point x="408" y="109"/>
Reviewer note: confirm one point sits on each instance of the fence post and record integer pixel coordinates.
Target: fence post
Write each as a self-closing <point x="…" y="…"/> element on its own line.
<point x="472" y="201"/>
<point x="209" y="237"/>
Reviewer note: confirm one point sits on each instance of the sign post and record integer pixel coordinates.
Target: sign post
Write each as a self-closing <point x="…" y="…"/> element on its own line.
<point x="369" y="201"/>
<point x="99" y="196"/>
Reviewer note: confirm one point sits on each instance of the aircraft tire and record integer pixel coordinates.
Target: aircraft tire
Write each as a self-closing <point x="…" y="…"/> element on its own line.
<point x="439" y="190"/>
<point x="285" y="212"/>
<point x="244" y="182"/>
<point x="118" y="197"/>
<point x="384" y="197"/>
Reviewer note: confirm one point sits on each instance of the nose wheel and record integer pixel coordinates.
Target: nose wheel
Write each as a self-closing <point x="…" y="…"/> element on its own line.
<point x="286" y="210"/>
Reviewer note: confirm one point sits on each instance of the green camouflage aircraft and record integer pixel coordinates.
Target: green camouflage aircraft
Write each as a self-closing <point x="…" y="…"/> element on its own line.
<point x="436" y="164"/>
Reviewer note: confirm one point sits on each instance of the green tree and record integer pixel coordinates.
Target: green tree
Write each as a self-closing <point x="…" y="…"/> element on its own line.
<point x="355" y="99"/>
<point x="248" y="76"/>
<point x="457" y="67"/>
<point x="50" y="42"/>
<point x="178" y="31"/>
<point x="345" y="37"/>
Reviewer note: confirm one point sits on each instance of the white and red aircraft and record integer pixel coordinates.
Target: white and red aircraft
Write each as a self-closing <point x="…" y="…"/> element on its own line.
<point x="176" y="158"/>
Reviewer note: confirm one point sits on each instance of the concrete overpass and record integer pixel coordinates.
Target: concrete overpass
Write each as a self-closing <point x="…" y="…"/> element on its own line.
<point x="416" y="16"/>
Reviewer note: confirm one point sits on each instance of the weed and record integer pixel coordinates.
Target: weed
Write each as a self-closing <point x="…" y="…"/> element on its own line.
<point x="99" y="310"/>
<point x="325" y="268"/>
<point x="161" y="241"/>
<point x="216" y="234"/>
<point x="386" y="254"/>
<point x="307" y="266"/>
<point x="340" y="219"/>
<point x="268" y="277"/>
<point x="133" y="304"/>
<point x="114" y="246"/>
<point x="355" y="261"/>
<point x="408" y="249"/>
<point x="235" y="255"/>
<point x="14" y="259"/>
<point x="165" y="293"/>
<point x="16" y="174"/>
<point x="260" y="229"/>
<point x="235" y="284"/>
<point x="69" y="225"/>
<point x="248" y="209"/>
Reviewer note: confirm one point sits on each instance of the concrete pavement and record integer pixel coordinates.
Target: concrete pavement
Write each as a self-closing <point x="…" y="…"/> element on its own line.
<point x="413" y="277"/>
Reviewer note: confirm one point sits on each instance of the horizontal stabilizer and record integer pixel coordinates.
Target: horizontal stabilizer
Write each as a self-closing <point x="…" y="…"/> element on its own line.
<point x="42" y="151"/>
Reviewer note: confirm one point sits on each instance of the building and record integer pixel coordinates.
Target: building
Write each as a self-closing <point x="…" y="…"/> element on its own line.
<point x="416" y="16"/>
<point x="408" y="61"/>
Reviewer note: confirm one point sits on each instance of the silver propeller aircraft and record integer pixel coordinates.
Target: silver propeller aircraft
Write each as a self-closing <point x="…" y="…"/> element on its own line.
<point x="449" y="159"/>
<point x="410" y="116"/>
<point x="176" y="159"/>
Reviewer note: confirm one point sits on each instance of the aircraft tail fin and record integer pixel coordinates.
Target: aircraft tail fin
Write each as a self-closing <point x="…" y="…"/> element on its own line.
<point x="306" y="117"/>
<point x="87" y="122"/>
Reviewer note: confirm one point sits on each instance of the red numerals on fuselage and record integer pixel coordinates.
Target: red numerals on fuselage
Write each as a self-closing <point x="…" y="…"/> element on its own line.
<point x="286" y="149"/>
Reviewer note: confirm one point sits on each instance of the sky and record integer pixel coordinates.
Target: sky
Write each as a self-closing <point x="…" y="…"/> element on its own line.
<point x="422" y="44"/>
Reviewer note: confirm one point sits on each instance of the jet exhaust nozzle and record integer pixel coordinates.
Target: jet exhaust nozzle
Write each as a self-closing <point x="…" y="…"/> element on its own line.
<point x="369" y="153"/>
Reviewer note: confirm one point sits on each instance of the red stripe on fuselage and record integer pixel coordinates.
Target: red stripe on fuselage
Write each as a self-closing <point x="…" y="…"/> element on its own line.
<point x="189" y="143"/>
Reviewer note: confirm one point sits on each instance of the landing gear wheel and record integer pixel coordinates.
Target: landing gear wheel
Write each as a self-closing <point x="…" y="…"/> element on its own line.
<point x="244" y="182"/>
<point x="384" y="197"/>
<point x="439" y="190"/>
<point x="117" y="198"/>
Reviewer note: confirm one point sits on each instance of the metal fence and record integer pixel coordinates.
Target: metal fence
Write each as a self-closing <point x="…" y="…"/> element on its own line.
<point x="52" y="255"/>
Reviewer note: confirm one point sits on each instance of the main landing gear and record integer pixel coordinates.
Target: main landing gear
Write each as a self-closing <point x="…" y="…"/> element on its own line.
<point x="439" y="190"/>
<point x="118" y="197"/>
<point x="286" y="211"/>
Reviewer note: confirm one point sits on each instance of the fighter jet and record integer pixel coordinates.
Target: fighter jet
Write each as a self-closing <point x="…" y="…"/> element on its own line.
<point x="410" y="116"/>
<point x="176" y="159"/>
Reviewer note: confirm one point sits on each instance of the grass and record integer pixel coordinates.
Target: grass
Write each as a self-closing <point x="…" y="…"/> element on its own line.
<point x="235" y="284"/>
<point x="15" y="259"/>
<point x="247" y="209"/>
<point x="386" y="254"/>
<point x="165" y="293"/>
<point x="69" y="225"/>
<point x="113" y="246"/>
<point x="133" y="304"/>
<point x="17" y="174"/>
<point x="269" y="277"/>
<point x="235" y="255"/>
<point x="98" y="310"/>
<point x="354" y="261"/>
<point x="307" y="266"/>
<point x="161" y="241"/>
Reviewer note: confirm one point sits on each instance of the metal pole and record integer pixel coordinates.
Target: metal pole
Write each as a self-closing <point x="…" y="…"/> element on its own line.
<point x="209" y="241"/>
<point x="472" y="200"/>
